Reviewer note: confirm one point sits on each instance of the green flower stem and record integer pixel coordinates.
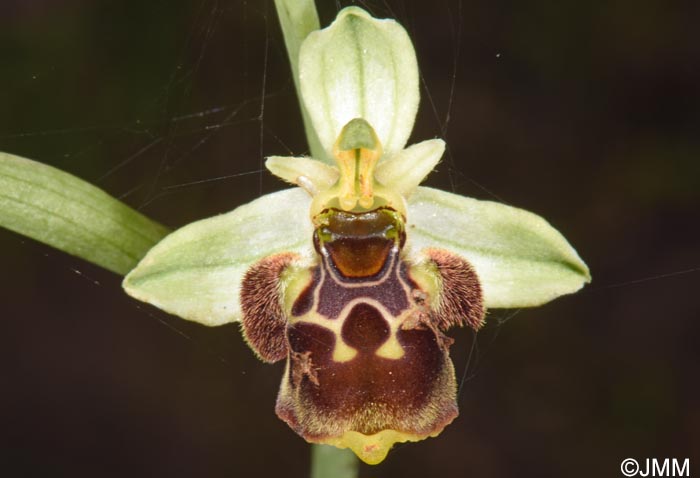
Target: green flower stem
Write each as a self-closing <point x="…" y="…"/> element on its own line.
<point x="330" y="462"/>
<point x="298" y="18"/>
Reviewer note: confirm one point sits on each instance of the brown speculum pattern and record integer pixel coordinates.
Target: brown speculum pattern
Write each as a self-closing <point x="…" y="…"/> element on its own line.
<point x="367" y="360"/>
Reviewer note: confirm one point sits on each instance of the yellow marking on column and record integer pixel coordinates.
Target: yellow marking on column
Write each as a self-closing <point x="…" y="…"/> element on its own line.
<point x="348" y="172"/>
<point x="357" y="151"/>
<point x="368" y="161"/>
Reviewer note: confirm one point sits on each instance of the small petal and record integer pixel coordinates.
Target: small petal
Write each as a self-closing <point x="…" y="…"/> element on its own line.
<point x="520" y="259"/>
<point x="196" y="272"/>
<point x="360" y="67"/>
<point x="407" y="169"/>
<point x="310" y="174"/>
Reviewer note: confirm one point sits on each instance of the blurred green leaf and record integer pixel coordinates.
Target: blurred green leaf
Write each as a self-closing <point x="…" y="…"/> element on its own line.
<point x="72" y="215"/>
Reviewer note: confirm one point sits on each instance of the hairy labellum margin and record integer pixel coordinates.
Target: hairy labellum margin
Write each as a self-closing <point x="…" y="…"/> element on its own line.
<point x="362" y="331"/>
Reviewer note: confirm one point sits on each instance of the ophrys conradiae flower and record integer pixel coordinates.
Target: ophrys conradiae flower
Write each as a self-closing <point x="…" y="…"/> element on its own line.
<point x="354" y="277"/>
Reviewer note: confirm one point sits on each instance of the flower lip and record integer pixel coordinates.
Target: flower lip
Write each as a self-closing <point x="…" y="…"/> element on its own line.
<point x="368" y="364"/>
<point x="368" y="387"/>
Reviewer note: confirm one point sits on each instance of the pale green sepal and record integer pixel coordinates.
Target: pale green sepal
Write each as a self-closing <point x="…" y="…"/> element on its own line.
<point x="65" y="212"/>
<point x="196" y="271"/>
<point x="306" y="172"/>
<point x="520" y="259"/>
<point x="360" y="67"/>
<point x="404" y="171"/>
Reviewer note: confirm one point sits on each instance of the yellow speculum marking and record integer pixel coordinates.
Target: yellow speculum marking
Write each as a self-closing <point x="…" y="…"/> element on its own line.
<point x="391" y="349"/>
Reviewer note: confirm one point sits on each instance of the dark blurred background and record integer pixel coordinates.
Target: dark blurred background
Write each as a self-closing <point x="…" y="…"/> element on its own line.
<point x="586" y="112"/>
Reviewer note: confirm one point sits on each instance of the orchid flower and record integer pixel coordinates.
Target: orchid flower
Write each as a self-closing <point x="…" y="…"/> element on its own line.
<point x="354" y="275"/>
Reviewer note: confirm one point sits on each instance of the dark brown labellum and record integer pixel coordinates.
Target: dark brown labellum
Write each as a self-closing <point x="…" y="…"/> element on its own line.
<point x="367" y="360"/>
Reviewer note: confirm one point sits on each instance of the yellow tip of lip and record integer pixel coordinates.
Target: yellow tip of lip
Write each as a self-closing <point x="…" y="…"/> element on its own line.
<point x="372" y="449"/>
